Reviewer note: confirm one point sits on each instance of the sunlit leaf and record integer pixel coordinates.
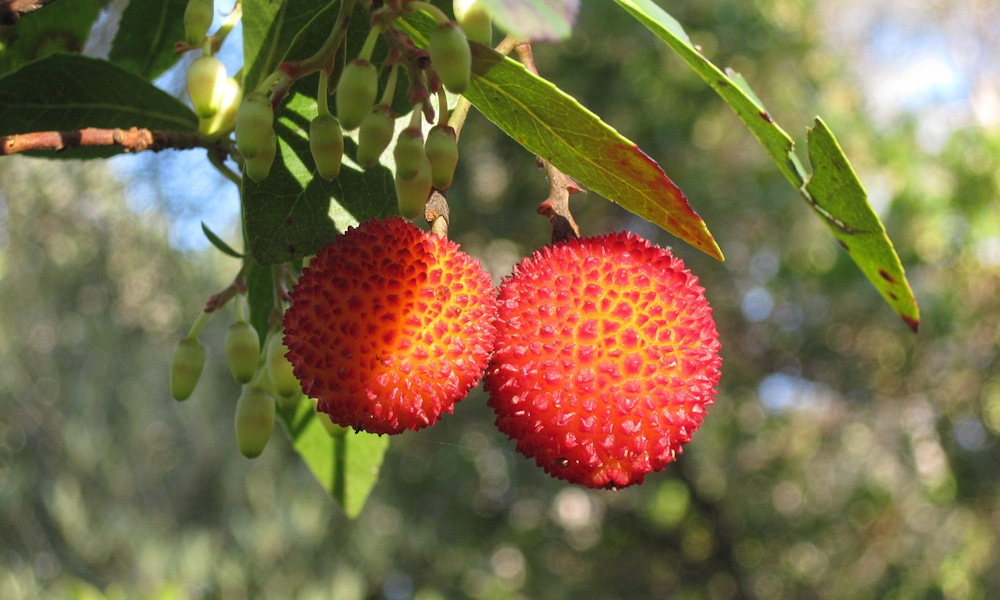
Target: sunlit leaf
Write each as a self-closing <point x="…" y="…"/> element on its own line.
<point x="347" y="467"/>
<point x="878" y="261"/>
<point x="269" y="26"/>
<point x="539" y="20"/>
<point x="145" y="40"/>
<point x="553" y="125"/>
<point x="843" y="204"/>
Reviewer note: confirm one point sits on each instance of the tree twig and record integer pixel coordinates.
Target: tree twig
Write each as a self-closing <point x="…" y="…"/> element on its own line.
<point x="12" y="10"/>
<point x="128" y="140"/>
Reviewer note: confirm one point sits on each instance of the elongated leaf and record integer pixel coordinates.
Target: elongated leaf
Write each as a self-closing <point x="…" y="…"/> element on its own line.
<point x="837" y="192"/>
<point x="538" y="20"/>
<point x="269" y="26"/>
<point x="145" y="40"/>
<point x="67" y="92"/>
<point x="347" y="467"/>
<point x="218" y="242"/>
<point x="293" y="213"/>
<point x="876" y="256"/>
<point x="62" y="28"/>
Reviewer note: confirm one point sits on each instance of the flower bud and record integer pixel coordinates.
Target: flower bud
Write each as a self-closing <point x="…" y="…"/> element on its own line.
<point x="198" y="16"/>
<point x="223" y="121"/>
<point x="186" y="367"/>
<point x="476" y="20"/>
<point x="409" y="152"/>
<point x="282" y="377"/>
<point x="375" y="136"/>
<point x="442" y="151"/>
<point x="258" y="167"/>
<point x="242" y="351"/>
<point x="254" y="125"/>
<point x="326" y="142"/>
<point x="356" y="93"/>
<point x="412" y="192"/>
<point x="255" y="412"/>
<point x="206" y="84"/>
<point x="451" y="56"/>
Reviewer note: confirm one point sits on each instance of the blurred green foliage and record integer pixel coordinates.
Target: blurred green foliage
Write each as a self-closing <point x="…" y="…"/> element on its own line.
<point x="845" y="458"/>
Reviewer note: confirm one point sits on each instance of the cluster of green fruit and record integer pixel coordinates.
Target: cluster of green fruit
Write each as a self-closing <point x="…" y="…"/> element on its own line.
<point x="420" y="164"/>
<point x="263" y="371"/>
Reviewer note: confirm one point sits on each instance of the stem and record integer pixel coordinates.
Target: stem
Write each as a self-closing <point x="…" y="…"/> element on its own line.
<point x="199" y="324"/>
<point x="442" y="106"/>
<point x="436" y="13"/>
<point x="322" y="93"/>
<point x="390" y="85"/>
<point x="129" y="140"/>
<point x="239" y="303"/>
<point x="218" y="162"/>
<point x="458" y="116"/>
<point x="370" y="41"/>
<point x="231" y="20"/>
<point x="416" y="117"/>
<point x="266" y="85"/>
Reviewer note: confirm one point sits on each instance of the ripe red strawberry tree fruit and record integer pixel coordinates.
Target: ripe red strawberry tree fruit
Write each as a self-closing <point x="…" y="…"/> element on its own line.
<point x="599" y="352"/>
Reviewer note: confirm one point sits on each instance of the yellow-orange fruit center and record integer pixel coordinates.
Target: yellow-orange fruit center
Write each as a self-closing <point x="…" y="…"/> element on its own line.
<point x="390" y="326"/>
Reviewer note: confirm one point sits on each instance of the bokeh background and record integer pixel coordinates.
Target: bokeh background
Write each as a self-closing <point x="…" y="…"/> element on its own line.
<point x="845" y="457"/>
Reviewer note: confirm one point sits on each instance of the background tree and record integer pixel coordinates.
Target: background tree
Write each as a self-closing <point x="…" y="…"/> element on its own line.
<point x="845" y="456"/>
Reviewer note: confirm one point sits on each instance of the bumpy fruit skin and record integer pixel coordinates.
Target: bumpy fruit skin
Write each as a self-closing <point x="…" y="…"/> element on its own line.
<point x="606" y="358"/>
<point x="242" y="351"/>
<point x="186" y="367"/>
<point x="254" y="423"/>
<point x="374" y="136"/>
<point x="326" y="142"/>
<point x="451" y="56"/>
<point x="254" y="125"/>
<point x="476" y="20"/>
<point x="390" y="326"/>
<point x="356" y="93"/>
<point x="198" y="16"/>
<point x="442" y="151"/>
<point x="206" y="85"/>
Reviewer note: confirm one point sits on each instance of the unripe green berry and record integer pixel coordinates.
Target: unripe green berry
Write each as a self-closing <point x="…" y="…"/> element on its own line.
<point x="206" y="84"/>
<point x="326" y="142"/>
<point x="258" y="167"/>
<point x="280" y="370"/>
<point x="254" y="125"/>
<point x="186" y="367"/>
<point x="412" y="192"/>
<point x="255" y="412"/>
<point x="223" y="121"/>
<point x="451" y="56"/>
<point x="409" y="152"/>
<point x="476" y="20"/>
<point x="198" y="16"/>
<point x="442" y="151"/>
<point x="242" y="351"/>
<point x="375" y="136"/>
<point x="356" y="93"/>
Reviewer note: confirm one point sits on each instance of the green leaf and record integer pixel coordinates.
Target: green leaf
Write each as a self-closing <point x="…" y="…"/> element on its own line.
<point x="145" y="40"/>
<point x="218" y="243"/>
<point x="538" y="20"/>
<point x="347" y="467"/>
<point x="293" y="213"/>
<point x="68" y="92"/>
<point x="260" y="297"/>
<point x="732" y="88"/>
<point x="269" y="26"/>
<point x="876" y="256"/>
<point x="63" y="28"/>
<point x="842" y="201"/>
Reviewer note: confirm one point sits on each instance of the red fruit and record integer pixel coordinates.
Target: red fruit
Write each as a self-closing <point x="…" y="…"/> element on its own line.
<point x="390" y="326"/>
<point x="605" y="360"/>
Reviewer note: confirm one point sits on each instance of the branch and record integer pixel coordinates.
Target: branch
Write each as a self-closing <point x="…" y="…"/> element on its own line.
<point x="129" y="140"/>
<point x="556" y="206"/>
<point x="11" y="10"/>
